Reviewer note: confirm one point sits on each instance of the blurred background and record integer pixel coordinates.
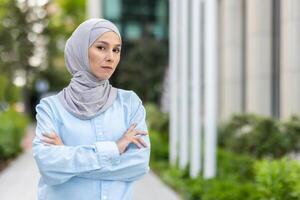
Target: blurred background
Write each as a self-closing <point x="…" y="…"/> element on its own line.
<point x="219" y="80"/>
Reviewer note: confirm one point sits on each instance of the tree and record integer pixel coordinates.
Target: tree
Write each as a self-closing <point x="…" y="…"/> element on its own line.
<point x="143" y="68"/>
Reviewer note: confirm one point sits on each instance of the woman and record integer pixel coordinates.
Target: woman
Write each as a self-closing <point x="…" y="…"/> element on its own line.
<point x="91" y="138"/>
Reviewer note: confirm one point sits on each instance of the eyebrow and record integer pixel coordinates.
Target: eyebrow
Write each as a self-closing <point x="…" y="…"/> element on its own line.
<point x="108" y="43"/>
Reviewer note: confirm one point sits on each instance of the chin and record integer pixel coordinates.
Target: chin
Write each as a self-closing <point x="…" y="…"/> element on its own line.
<point x="103" y="77"/>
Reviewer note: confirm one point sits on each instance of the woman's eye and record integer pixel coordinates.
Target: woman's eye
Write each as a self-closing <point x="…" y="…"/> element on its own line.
<point x="116" y="50"/>
<point x="100" y="48"/>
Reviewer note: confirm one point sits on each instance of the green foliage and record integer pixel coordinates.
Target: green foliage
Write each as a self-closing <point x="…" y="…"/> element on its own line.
<point x="227" y="189"/>
<point x="64" y="16"/>
<point x="291" y="128"/>
<point x="8" y="91"/>
<point x="157" y="123"/>
<point x="143" y="68"/>
<point x="13" y="94"/>
<point x="260" y="136"/>
<point x="235" y="179"/>
<point x="159" y="146"/>
<point x="239" y="175"/>
<point x="12" y="128"/>
<point x="3" y="86"/>
<point x="234" y="166"/>
<point x="278" y="180"/>
<point x="157" y="120"/>
<point x="22" y="42"/>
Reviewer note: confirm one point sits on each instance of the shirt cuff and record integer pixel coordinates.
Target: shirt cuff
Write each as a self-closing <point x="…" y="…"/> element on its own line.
<point x="108" y="153"/>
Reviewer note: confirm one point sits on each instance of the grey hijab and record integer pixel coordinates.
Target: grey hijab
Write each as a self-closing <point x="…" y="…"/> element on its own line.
<point x="86" y="96"/>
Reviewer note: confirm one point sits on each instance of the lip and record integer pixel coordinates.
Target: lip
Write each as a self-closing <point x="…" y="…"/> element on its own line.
<point x="107" y="68"/>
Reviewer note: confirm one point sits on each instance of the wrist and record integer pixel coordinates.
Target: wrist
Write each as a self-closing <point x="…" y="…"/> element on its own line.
<point x="122" y="145"/>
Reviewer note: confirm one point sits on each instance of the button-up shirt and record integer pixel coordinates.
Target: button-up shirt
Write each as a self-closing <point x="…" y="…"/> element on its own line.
<point x="89" y="166"/>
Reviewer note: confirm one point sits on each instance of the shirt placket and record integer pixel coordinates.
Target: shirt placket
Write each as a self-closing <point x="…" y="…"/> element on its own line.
<point x="101" y="137"/>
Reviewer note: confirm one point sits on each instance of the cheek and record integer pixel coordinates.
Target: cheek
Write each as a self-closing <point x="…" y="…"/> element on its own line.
<point x="117" y="60"/>
<point x="94" y="58"/>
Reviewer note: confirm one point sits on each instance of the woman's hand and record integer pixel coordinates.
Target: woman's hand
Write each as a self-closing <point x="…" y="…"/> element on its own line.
<point x="51" y="139"/>
<point x="131" y="136"/>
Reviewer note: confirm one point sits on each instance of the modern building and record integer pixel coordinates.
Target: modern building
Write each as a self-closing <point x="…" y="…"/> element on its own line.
<point x="134" y="18"/>
<point x="226" y="57"/>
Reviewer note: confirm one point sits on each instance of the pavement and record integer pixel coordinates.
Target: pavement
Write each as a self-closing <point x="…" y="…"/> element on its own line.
<point x="19" y="180"/>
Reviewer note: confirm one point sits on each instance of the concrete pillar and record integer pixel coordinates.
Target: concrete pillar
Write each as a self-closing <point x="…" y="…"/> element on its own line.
<point x="195" y="108"/>
<point x="183" y="81"/>
<point x="94" y="8"/>
<point x="210" y="95"/>
<point x="173" y="66"/>
<point x="290" y="58"/>
<point x="232" y="58"/>
<point x="258" y="56"/>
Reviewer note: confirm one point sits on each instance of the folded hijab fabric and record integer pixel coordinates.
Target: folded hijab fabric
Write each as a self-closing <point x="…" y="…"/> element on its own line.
<point x="86" y="96"/>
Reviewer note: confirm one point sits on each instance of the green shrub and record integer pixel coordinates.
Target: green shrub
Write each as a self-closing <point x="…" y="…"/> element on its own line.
<point x="237" y="125"/>
<point x="240" y="176"/>
<point x="13" y="93"/>
<point x="143" y="68"/>
<point x="291" y="129"/>
<point x="12" y="128"/>
<point x="157" y="120"/>
<point x="159" y="146"/>
<point x="176" y="178"/>
<point x="235" y="166"/>
<point x="3" y="85"/>
<point x="228" y="189"/>
<point x="260" y="136"/>
<point x="234" y="181"/>
<point x="8" y="91"/>
<point x="158" y="131"/>
<point x="235" y="178"/>
<point x="278" y="180"/>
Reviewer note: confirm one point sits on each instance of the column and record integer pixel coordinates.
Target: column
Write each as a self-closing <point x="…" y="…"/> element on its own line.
<point x="232" y="58"/>
<point x="195" y="109"/>
<point x="210" y="94"/>
<point x="183" y="79"/>
<point x="94" y="8"/>
<point x="258" y="56"/>
<point x="290" y="58"/>
<point x="173" y="66"/>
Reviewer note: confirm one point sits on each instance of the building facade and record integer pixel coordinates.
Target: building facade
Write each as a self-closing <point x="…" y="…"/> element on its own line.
<point x="227" y="57"/>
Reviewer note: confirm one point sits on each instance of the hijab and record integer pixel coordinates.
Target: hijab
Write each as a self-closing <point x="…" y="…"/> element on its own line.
<point x="86" y="96"/>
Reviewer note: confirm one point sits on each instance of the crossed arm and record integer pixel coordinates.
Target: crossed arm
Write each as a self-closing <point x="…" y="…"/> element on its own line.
<point x="105" y="160"/>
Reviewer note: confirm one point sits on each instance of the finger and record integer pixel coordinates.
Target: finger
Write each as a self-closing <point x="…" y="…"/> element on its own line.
<point x="141" y="141"/>
<point x="48" y="140"/>
<point x="49" y="137"/>
<point x="140" y="132"/>
<point x="56" y="136"/>
<point x="136" y="142"/>
<point x="132" y="126"/>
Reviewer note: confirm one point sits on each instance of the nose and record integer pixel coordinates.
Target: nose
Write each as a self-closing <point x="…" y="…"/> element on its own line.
<point x="109" y="56"/>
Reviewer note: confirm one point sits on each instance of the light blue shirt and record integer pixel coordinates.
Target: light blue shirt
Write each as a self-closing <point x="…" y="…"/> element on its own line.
<point x="89" y="166"/>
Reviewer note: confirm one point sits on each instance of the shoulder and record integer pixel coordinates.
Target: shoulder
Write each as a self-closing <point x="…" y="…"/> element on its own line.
<point x="48" y="101"/>
<point x="129" y="96"/>
<point x="48" y="104"/>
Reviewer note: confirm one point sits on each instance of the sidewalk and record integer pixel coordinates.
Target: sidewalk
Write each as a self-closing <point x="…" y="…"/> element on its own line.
<point x="19" y="181"/>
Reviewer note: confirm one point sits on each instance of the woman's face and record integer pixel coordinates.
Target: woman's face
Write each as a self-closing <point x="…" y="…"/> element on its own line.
<point x="104" y="55"/>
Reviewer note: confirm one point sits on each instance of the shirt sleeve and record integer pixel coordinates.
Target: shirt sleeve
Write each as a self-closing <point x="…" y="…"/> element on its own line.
<point x="134" y="163"/>
<point x="58" y="164"/>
